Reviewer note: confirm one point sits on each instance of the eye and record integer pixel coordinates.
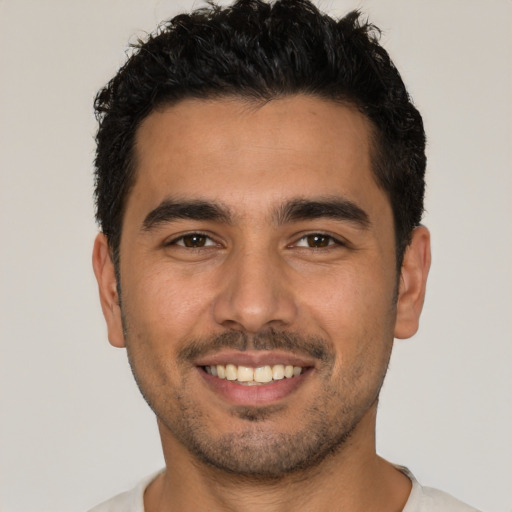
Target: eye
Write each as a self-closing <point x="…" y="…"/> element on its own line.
<point x="317" y="241"/>
<point x="194" y="241"/>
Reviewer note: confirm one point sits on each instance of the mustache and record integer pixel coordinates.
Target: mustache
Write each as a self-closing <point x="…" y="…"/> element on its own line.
<point x="270" y="339"/>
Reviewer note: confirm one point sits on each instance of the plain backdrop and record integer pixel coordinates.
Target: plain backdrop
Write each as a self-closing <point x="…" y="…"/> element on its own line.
<point x="73" y="427"/>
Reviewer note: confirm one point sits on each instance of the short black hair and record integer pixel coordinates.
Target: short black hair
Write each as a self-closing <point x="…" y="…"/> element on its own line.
<point x="262" y="50"/>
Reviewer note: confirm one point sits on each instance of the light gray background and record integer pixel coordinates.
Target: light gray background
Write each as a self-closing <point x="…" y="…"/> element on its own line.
<point x="73" y="428"/>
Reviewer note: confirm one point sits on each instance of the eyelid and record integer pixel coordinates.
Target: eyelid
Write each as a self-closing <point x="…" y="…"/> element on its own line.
<point x="334" y="240"/>
<point x="176" y="238"/>
<point x="337" y="240"/>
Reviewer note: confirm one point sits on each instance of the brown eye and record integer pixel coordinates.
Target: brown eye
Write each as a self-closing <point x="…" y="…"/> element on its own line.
<point x="194" y="241"/>
<point x="318" y="240"/>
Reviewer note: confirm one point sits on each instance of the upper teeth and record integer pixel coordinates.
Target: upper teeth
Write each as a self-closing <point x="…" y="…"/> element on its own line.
<point x="247" y="375"/>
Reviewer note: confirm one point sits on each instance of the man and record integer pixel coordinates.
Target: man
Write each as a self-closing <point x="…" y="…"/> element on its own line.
<point x="260" y="178"/>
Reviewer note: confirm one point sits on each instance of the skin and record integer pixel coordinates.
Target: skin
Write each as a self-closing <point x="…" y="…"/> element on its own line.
<point x="256" y="274"/>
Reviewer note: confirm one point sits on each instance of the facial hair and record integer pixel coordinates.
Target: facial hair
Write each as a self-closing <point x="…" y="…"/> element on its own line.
<point x="259" y="450"/>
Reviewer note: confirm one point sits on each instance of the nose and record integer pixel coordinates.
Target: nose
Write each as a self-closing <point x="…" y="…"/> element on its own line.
<point x="255" y="293"/>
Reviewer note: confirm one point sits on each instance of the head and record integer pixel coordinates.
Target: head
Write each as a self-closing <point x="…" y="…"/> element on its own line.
<point x="259" y="51"/>
<point x="259" y="182"/>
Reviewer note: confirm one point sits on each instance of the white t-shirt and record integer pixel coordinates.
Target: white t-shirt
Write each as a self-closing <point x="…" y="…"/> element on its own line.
<point x="421" y="499"/>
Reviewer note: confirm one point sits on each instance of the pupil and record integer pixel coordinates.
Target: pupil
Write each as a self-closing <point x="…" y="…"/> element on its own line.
<point x="318" y="241"/>
<point x="194" y="240"/>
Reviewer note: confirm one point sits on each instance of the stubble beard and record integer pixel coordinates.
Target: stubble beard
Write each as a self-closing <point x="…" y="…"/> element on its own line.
<point x="259" y="451"/>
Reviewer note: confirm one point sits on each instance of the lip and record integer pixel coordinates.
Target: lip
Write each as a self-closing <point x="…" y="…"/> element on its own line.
<point x="259" y="395"/>
<point x="255" y="358"/>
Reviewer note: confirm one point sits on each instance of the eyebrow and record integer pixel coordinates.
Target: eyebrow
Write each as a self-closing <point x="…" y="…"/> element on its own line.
<point x="170" y="210"/>
<point x="294" y="210"/>
<point x="330" y="207"/>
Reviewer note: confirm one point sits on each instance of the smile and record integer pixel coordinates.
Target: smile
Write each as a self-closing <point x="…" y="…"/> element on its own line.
<point x="255" y="377"/>
<point x="249" y="376"/>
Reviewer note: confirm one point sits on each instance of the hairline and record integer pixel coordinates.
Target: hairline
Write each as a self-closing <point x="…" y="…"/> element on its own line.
<point x="255" y="101"/>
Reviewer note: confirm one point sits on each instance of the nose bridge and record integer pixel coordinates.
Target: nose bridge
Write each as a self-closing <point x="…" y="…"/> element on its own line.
<point x="254" y="294"/>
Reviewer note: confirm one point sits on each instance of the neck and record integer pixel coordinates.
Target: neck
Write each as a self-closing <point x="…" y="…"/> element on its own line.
<point x="354" y="479"/>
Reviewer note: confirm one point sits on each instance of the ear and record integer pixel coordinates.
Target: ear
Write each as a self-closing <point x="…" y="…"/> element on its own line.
<point x="105" y="275"/>
<point x="413" y="281"/>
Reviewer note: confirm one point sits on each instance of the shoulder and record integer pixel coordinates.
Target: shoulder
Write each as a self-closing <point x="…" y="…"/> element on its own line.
<point x="426" y="499"/>
<point x="433" y="500"/>
<point x="129" y="501"/>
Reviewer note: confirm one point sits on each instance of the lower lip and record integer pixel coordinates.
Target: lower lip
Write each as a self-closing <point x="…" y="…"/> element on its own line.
<point x="264" y="394"/>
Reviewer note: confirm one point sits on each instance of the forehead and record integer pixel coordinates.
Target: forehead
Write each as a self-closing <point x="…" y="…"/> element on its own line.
<point x="248" y="154"/>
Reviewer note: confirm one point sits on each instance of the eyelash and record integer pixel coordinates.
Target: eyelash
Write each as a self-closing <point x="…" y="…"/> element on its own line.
<point x="197" y="234"/>
<point x="331" y="241"/>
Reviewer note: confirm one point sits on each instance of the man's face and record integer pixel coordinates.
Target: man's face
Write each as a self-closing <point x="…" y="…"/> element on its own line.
<point x="256" y="237"/>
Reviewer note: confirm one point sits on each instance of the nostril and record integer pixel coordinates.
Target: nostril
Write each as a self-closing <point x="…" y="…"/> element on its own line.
<point x="254" y="295"/>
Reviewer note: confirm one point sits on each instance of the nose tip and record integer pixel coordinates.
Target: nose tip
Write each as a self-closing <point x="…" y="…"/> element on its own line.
<point x="254" y="297"/>
<point x="251" y="320"/>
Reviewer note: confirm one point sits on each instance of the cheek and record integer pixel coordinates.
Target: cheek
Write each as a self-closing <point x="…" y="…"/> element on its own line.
<point x="165" y="304"/>
<point x="354" y="310"/>
<point x="342" y="295"/>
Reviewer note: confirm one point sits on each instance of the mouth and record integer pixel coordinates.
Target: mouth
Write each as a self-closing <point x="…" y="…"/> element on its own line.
<point x="254" y="378"/>
<point x="249" y="376"/>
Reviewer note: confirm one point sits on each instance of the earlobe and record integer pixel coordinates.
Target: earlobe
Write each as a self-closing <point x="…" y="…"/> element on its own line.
<point x="107" y="284"/>
<point x="413" y="280"/>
